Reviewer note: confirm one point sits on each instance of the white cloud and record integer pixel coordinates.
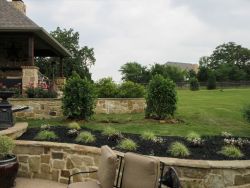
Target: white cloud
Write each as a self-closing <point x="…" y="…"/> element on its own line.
<point x="146" y="31"/>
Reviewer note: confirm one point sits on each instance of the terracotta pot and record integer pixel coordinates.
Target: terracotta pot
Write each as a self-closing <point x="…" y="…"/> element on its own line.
<point x="8" y="171"/>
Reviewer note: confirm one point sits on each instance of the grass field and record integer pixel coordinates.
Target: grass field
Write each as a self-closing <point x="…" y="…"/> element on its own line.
<point x="205" y="112"/>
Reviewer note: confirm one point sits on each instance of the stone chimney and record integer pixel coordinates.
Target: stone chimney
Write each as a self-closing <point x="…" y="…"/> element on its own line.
<point x="19" y="5"/>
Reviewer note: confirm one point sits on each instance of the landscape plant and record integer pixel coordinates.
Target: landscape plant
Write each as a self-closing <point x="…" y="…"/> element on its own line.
<point x="149" y="136"/>
<point x="161" y="98"/>
<point x="178" y="149"/>
<point x="128" y="144"/>
<point x="194" y="84"/>
<point x="72" y="132"/>
<point x="85" y="137"/>
<point x="6" y="146"/>
<point x="46" y="135"/>
<point x="110" y="132"/>
<point x="79" y="98"/>
<point x="231" y="151"/>
<point x="211" y="82"/>
<point x="107" y="88"/>
<point x="74" y="125"/>
<point x="40" y="93"/>
<point x="130" y="89"/>
<point x="194" y="138"/>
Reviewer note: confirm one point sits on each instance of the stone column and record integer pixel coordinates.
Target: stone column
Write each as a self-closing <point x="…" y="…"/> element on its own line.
<point x="60" y="82"/>
<point x="29" y="77"/>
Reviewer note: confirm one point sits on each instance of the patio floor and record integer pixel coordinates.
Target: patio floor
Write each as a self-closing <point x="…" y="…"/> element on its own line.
<point x="37" y="183"/>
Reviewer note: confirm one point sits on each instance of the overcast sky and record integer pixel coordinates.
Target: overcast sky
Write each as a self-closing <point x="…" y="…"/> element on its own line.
<point x="146" y="31"/>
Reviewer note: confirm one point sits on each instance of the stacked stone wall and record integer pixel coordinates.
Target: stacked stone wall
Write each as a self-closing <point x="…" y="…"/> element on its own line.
<point x="55" y="161"/>
<point x="49" y="108"/>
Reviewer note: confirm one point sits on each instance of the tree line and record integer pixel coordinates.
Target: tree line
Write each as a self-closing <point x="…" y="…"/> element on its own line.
<point x="228" y="62"/>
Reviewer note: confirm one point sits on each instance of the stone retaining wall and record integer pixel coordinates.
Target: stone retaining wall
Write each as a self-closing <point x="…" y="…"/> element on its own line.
<point x="48" y="108"/>
<point x="55" y="161"/>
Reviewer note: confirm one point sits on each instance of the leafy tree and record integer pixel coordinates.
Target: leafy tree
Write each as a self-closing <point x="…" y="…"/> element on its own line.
<point x="194" y="84"/>
<point x="191" y="74"/>
<point x="229" y="62"/>
<point x="203" y="71"/>
<point x="82" y="57"/>
<point x="211" y="82"/>
<point x="161" y="98"/>
<point x="172" y="72"/>
<point x="131" y="90"/>
<point x="135" y="72"/>
<point x="107" y="88"/>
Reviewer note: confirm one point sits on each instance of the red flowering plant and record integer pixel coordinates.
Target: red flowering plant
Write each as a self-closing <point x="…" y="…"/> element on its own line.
<point x="41" y="91"/>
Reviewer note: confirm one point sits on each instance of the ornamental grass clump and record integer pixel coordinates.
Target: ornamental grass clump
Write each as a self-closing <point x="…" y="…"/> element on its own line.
<point x="85" y="137"/>
<point x="232" y="152"/>
<point x="149" y="136"/>
<point x="178" y="149"/>
<point x="74" y="125"/>
<point x="110" y="132"/>
<point x="194" y="138"/>
<point x="46" y="135"/>
<point x="6" y="146"/>
<point x="128" y="144"/>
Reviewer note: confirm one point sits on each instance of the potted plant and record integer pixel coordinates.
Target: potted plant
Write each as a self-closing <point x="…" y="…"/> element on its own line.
<point x="8" y="162"/>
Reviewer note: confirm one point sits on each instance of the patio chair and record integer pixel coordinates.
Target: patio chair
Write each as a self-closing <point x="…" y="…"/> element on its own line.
<point x="105" y="174"/>
<point x="170" y="178"/>
<point x="140" y="171"/>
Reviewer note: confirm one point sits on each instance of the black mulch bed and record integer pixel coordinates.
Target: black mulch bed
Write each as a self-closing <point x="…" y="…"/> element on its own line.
<point x="208" y="151"/>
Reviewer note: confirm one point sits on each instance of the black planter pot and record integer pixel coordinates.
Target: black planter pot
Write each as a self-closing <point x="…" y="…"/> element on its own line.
<point x="8" y="171"/>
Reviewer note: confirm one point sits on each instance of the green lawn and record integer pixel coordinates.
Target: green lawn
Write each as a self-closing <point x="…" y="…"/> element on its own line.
<point x="205" y="112"/>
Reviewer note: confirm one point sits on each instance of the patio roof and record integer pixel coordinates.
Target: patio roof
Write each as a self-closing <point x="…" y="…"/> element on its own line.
<point x="14" y="21"/>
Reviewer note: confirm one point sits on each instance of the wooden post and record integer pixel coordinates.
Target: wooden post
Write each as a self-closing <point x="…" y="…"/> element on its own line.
<point x="31" y="50"/>
<point x="61" y="68"/>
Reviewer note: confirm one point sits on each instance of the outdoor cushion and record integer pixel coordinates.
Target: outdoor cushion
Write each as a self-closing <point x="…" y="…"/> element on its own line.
<point x="87" y="184"/>
<point x="107" y="167"/>
<point x="140" y="171"/>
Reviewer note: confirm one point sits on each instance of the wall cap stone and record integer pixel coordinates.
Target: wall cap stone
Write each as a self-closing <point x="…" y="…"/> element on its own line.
<point x="58" y="99"/>
<point x="207" y="164"/>
<point x="73" y="147"/>
<point x="17" y="130"/>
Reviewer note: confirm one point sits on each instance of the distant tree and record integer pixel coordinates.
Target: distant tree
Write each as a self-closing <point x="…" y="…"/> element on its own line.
<point x="135" y="72"/>
<point x="229" y="62"/>
<point x="171" y="72"/>
<point x="211" y="82"/>
<point x="191" y="74"/>
<point x="130" y="89"/>
<point x="194" y="84"/>
<point x="203" y="70"/>
<point x="82" y="57"/>
<point x="107" y="88"/>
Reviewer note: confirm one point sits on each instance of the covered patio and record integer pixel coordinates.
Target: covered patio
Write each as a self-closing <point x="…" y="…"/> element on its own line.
<point x="21" y="41"/>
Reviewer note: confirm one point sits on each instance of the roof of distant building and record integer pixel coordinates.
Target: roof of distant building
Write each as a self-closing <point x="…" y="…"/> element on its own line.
<point x="185" y="66"/>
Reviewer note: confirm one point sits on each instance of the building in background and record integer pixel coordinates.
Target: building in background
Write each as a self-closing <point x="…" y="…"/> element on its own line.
<point x="184" y="66"/>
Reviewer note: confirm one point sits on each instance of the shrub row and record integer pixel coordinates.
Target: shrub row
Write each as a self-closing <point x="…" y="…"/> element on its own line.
<point x="107" y="88"/>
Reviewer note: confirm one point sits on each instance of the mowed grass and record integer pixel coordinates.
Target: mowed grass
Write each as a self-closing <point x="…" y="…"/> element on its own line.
<point x="205" y="112"/>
